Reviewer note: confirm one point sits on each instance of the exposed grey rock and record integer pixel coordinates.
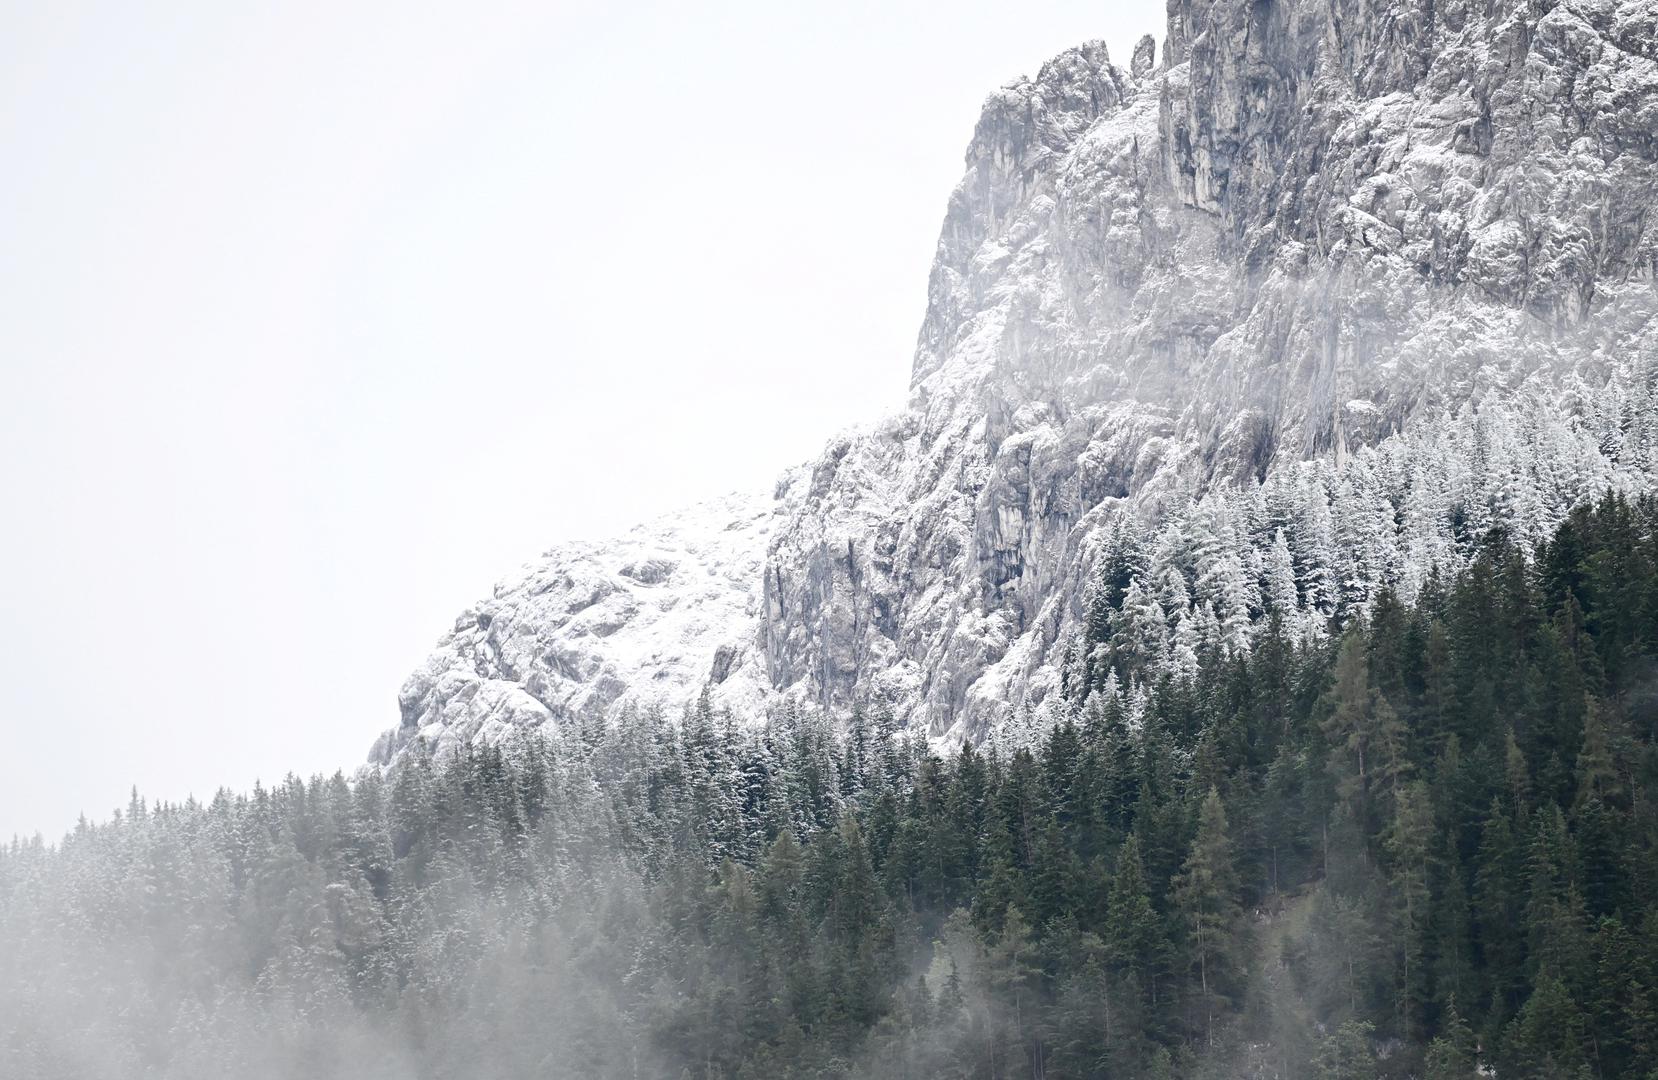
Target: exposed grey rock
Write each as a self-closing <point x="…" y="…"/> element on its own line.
<point x="592" y="627"/>
<point x="1315" y="221"/>
<point x="1145" y="57"/>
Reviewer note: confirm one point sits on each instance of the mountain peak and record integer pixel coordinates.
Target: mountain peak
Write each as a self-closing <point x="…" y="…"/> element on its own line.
<point x="1247" y="294"/>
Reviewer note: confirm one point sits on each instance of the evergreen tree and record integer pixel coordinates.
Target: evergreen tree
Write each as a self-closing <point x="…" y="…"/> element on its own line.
<point x="1134" y="940"/>
<point x="1366" y="758"/>
<point x="1451" y="1054"/>
<point x="1205" y="895"/>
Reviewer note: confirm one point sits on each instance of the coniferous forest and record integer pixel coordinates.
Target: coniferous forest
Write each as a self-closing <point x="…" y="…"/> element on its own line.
<point x="1418" y="841"/>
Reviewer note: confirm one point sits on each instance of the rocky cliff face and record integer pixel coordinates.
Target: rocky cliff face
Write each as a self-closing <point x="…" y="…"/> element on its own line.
<point x="1306" y="225"/>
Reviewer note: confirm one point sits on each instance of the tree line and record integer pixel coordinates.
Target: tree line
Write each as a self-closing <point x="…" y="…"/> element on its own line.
<point x="1417" y="840"/>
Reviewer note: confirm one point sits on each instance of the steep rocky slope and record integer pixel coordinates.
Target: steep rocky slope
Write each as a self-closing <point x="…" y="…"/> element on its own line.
<point x="1304" y="229"/>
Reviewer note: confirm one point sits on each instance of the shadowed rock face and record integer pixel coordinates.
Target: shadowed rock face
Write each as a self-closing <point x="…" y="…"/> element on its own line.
<point x="1312" y="221"/>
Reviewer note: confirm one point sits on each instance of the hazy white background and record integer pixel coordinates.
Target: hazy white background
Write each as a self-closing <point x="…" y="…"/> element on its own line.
<point x="315" y="319"/>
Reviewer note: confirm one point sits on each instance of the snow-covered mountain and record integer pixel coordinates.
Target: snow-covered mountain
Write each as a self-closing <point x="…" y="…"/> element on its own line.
<point x="1365" y="274"/>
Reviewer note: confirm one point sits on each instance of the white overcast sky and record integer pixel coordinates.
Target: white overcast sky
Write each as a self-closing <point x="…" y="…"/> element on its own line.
<point x="316" y="319"/>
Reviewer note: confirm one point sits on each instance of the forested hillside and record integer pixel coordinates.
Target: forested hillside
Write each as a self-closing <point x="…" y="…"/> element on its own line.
<point x="1418" y="841"/>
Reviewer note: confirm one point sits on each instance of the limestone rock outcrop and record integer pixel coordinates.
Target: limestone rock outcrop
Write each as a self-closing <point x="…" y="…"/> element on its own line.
<point x="1303" y="225"/>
